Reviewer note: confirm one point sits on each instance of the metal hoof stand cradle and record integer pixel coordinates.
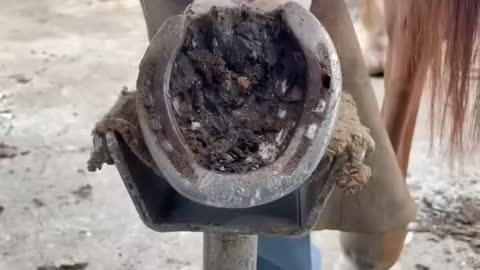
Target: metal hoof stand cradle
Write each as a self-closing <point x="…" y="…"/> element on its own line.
<point x="281" y="198"/>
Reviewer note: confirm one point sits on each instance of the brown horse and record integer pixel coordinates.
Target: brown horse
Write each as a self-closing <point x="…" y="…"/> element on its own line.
<point x="431" y="41"/>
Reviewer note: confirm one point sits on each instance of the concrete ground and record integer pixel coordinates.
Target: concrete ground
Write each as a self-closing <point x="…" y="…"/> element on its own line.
<point x="62" y="64"/>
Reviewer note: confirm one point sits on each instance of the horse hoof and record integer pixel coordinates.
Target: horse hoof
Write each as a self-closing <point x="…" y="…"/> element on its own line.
<point x="343" y="263"/>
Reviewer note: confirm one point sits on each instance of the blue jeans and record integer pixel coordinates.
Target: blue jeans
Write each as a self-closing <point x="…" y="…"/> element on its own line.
<point x="281" y="253"/>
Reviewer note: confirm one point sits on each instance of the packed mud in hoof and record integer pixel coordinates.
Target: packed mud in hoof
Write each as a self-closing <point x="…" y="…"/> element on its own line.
<point x="237" y="89"/>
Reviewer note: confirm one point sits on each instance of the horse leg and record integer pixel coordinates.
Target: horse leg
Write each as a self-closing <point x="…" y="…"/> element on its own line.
<point x="372" y="36"/>
<point x="363" y="251"/>
<point x="370" y="251"/>
<point x="400" y="111"/>
<point x="401" y="105"/>
<point x="156" y="12"/>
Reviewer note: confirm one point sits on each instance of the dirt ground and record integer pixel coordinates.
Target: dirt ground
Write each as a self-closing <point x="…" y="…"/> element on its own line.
<point x="62" y="64"/>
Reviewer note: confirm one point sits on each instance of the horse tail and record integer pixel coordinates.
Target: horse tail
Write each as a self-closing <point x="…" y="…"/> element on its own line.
<point x="443" y="36"/>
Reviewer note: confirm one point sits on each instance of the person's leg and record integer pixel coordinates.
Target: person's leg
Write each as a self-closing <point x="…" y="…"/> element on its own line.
<point x="363" y="251"/>
<point x="282" y="253"/>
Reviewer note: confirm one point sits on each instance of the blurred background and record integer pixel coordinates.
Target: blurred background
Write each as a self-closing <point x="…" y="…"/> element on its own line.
<point x="62" y="65"/>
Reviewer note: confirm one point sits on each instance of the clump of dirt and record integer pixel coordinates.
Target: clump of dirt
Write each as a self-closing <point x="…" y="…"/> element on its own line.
<point x="38" y="203"/>
<point x="75" y="266"/>
<point x="459" y="220"/>
<point x="20" y="78"/>
<point x="237" y="89"/>
<point x="7" y="151"/>
<point x="83" y="192"/>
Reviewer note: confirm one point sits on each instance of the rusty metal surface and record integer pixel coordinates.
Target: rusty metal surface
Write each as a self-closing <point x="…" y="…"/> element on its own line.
<point x="163" y="209"/>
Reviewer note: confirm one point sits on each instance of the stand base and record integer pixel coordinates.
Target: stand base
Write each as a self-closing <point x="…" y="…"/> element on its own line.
<point x="229" y="251"/>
